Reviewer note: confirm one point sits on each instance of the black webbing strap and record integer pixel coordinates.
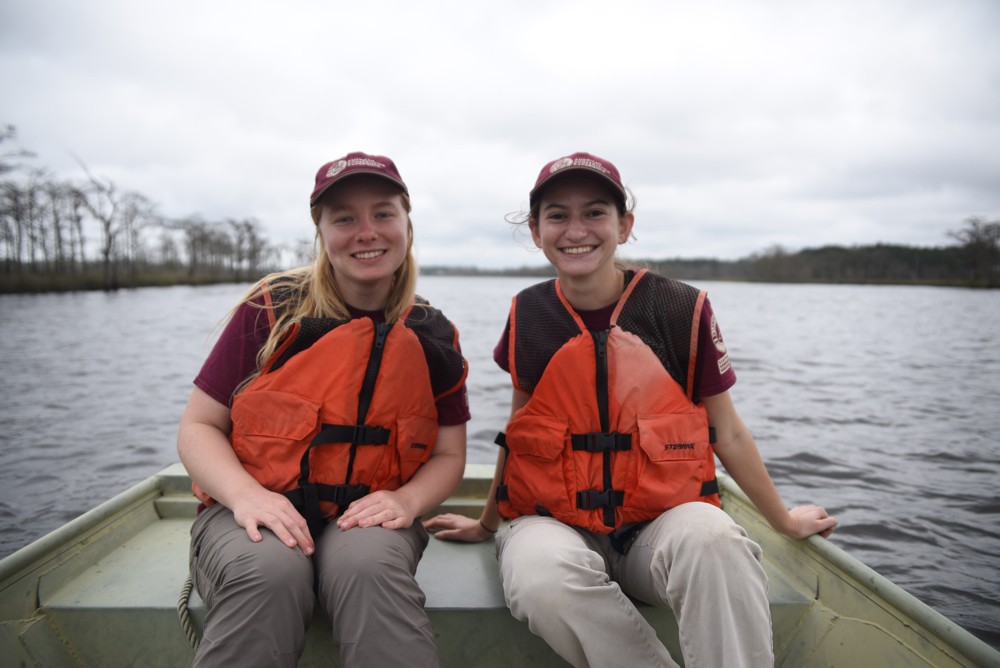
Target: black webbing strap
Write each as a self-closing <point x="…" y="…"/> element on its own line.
<point x="371" y="371"/>
<point x="306" y="500"/>
<point x="710" y="487"/>
<point x="368" y="386"/>
<point x="599" y="441"/>
<point x="607" y="498"/>
<point x="339" y="494"/>
<point x="501" y="440"/>
<point x="358" y="434"/>
<point x="622" y="540"/>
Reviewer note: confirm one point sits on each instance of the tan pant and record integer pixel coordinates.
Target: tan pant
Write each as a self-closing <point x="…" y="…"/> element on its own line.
<point x="573" y="588"/>
<point x="260" y="596"/>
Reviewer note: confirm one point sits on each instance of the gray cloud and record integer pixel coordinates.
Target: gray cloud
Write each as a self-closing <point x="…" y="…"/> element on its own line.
<point x="738" y="125"/>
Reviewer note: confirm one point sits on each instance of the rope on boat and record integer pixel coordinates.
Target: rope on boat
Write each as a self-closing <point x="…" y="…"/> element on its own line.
<point x="185" y="614"/>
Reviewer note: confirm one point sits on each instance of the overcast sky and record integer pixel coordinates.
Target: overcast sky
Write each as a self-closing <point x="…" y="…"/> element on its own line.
<point x="739" y="125"/>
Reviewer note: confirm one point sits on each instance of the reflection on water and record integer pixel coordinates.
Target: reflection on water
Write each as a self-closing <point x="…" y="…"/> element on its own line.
<point x="877" y="402"/>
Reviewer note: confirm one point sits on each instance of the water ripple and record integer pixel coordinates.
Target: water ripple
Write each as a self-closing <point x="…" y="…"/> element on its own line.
<point x="859" y="398"/>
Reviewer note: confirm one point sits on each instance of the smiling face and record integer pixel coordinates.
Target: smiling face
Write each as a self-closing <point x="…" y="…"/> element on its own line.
<point x="578" y="227"/>
<point x="365" y="230"/>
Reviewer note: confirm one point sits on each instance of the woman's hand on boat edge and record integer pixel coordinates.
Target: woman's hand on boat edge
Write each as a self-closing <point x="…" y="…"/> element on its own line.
<point x="811" y="520"/>
<point x="458" y="528"/>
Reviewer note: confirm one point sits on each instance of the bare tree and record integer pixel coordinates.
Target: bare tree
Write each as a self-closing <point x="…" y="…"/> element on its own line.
<point x="77" y="241"/>
<point x="8" y="157"/>
<point x="103" y="201"/>
<point x="240" y="246"/>
<point x="981" y="241"/>
<point x="167" y="253"/>
<point x="136" y="214"/>
<point x="61" y="213"/>
<point x="248" y="247"/>
<point x="12" y="213"/>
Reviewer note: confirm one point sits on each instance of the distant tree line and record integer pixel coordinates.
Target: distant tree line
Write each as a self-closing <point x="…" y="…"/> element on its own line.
<point x="973" y="262"/>
<point x="58" y="234"/>
<point x="87" y="234"/>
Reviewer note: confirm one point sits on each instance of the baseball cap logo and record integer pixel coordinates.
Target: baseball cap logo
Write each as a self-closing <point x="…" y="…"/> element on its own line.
<point x="336" y="168"/>
<point x="560" y="164"/>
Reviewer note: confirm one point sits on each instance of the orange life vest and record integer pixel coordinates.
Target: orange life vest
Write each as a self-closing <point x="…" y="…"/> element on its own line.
<point x="610" y="435"/>
<point x="346" y="407"/>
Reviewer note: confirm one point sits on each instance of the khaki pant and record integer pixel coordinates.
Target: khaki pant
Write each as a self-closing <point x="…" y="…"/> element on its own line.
<point x="260" y="596"/>
<point x="573" y="589"/>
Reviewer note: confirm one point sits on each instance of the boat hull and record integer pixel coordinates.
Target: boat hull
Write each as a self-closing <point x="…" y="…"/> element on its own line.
<point x="102" y="591"/>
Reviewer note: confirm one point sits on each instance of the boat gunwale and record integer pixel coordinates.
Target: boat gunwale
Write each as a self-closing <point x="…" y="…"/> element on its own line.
<point x="879" y="590"/>
<point x="53" y="545"/>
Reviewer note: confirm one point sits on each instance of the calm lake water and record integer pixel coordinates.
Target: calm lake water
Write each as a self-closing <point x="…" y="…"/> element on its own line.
<point x="880" y="403"/>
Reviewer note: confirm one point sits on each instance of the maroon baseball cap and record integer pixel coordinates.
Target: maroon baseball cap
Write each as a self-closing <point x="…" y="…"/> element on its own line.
<point x="585" y="162"/>
<point x="351" y="164"/>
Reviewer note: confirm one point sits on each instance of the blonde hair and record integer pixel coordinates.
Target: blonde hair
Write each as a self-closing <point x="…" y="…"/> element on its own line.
<point x="311" y="291"/>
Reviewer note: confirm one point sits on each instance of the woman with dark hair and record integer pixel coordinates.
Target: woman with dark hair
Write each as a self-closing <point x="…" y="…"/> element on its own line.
<point x="620" y="405"/>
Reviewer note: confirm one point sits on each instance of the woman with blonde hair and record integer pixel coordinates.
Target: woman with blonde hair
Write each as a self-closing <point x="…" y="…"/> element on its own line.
<point x="327" y="419"/>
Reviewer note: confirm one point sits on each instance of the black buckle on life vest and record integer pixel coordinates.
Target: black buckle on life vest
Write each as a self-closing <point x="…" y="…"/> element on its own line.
<point x="591" y="499"/>
<point x="598" y="441"/>
<point x="501" y="493"/>
<point x="710" y="487"/>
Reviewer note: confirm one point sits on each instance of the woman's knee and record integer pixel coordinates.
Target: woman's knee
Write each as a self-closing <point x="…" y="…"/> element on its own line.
<point x="274" y="571"/>
<point x="545" y="579"/>
<point x="359" y="559"/>
<point x="703" y="528"/>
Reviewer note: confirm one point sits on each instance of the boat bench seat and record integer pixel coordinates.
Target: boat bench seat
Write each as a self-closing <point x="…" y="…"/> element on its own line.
<point x="132" y="591"/>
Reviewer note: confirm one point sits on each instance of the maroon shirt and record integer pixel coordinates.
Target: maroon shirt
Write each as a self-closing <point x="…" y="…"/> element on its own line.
<point x="234" y="358"/>
<point x="713" y="373"/>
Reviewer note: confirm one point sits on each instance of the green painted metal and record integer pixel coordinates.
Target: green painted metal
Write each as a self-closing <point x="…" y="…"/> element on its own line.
<point x="102" y="591"/>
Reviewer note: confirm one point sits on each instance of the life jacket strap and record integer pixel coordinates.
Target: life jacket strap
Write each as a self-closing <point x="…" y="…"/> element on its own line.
<point x="622" y="540"/>
<point x="710" y="487"/>
<point x="598" y="441"/>
<point x="306" y="500"/>
<point x="358" y="434"/>
<point x="501" y="440"/>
